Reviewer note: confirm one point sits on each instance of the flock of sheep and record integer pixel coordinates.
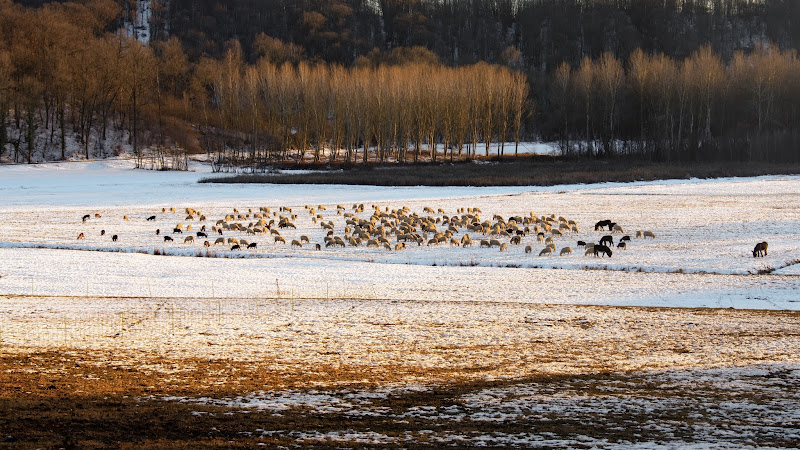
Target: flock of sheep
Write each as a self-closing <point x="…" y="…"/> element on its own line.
<point x="392" y="230"/>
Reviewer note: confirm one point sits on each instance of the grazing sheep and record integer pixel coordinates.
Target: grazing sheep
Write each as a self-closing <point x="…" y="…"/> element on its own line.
<point x="547" y="251"/>
<point x="102" y="232"/>
<point x="540" y="237"/>
<point x="625" y="238"/>
<point x="454" y="242"/>
<point x="305" y="239"/>
<point x="516" y="240"/>
<point x="219" y="241"/>
<point x="555" y="232"/>
<point x="279" y="239"/>
<point x="114" y="238"/>
<point x="126" y="218"/>
<point x="649" y="234"/>
<point x="565" y="251"/>
<point x="598" y="249"/>
<point x="607" y="239"/>
<point x="760" y="249"/>
<point x="201" y="234"/>
<point x="317" y="247"/>
<point x="621" y="245"/>
<point x="158" y="231"/>
<point x="494" y="242"/>
<point x="638" y="233"/>
<point x="188" y="240"/>
<point x="235" y="247"/>
<point x="581" y="244"/>
<point x="399" y="246"/>
<point x="151" y="218"/>
<point x="528" y="249"/>
<point x="589" y="251"/>
<point x="233" y="241"/>
<point x="466" y="242"/>
<point x="86" y="217"/>
<point x="296" y="243"/>
<point x="167" y="239"/>
<point x="243" y="243"/>
<point x="177" y="230"/>
<point x="97" y="215"/>
<point x="81" y="236"/>
<point x="206" y="244"/>
<point x="617" y="229"/>
<point x="484" y="243"/>
<point x="503" y="246"/>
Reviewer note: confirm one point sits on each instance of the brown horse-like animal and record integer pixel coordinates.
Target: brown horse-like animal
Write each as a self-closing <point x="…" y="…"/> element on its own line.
<point x="760" y="249"/>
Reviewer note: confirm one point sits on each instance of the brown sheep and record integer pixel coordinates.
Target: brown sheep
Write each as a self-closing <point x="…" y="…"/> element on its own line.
<point x="81" y="236"/>
<point x="528" y="249"/>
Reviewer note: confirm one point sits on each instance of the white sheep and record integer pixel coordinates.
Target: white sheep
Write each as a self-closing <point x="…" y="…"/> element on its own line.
<point x="566" y="251"/>
<point x="649" y="234"/>
<point x="546" y="251"/>
<point x="296" y="243"/>
<point x="280" y="239"/>
<point x="188" y="240"/>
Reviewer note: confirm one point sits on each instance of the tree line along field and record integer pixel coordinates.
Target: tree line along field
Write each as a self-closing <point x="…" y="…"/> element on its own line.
<point x="253" y="111"/>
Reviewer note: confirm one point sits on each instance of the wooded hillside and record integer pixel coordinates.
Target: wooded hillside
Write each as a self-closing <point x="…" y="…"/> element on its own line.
<point x="363" y="81"/>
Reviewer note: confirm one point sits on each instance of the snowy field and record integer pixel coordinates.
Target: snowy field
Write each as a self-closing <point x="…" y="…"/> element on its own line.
<point x="452" y="312"/>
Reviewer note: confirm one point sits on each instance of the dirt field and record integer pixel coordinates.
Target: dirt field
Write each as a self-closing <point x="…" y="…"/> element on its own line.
<point x="559" y="376"/>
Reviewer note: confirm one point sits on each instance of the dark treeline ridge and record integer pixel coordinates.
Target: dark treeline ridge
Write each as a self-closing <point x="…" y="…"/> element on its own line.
<point x="353" y="81"/>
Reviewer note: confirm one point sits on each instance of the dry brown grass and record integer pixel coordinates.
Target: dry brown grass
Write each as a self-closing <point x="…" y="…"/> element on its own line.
<point x="522" y="171"/>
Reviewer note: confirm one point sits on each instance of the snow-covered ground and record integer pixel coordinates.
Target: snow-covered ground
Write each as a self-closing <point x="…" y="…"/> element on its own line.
<point x="448" y="311"/>
<point x="705" y="232"/>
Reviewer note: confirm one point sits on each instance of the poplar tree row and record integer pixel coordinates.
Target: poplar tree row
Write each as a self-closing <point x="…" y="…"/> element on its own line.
<point x="319" y="112"/>
<point x="667" y="109"/>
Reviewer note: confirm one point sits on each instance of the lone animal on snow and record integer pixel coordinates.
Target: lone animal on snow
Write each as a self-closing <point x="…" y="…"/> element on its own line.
<point x="566" y="251"/>
<point x="546" y="251"/>
<point x="252" y="245"/>
<point x="102" y="232"/>
<point x="649" y="234"/>
<point x="114" y="238"/>
<point x="598" y="249"/>
<point x="188" y="240"/>
<point x="607" y="239"/>
<point x="152" y="218"/>
<point x="158" y="231"/>
<point x="760" y="249"/>
<point x="126" y="218"/>
<point x="167" y="239"/>
<point x="528" y="249"/>
<point x="235" y="247"/>
<point x="86" y="217"/>
<point x="206" y="244"/>
<point x="81" y="236"/>
<point x="317" y="247"/>
<point x="504" y="246"/>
